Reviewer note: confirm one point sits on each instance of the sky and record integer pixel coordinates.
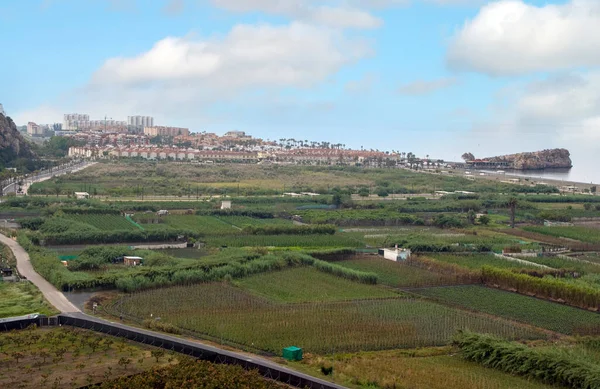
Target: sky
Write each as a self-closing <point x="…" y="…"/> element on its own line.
<point x="432" y="77"/>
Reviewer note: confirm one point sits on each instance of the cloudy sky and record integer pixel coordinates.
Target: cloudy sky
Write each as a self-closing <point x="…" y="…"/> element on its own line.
<point x="437" y="77"/>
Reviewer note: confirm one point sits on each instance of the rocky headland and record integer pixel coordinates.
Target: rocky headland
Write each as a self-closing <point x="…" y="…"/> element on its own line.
<point x="545" y="159"/>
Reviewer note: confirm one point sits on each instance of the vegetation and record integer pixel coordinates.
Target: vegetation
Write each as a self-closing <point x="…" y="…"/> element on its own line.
<point x="225" y="313"/>
<point x="423" y="368"/>
<point x="189" y="373"/>
<point x="578" y="233"/>
<point x="22" y="298"/>
<point x="525" y="309"/>
<point x="548" y="366"/>
<point x="68" y="357"/>
<point x="289" y="286"/>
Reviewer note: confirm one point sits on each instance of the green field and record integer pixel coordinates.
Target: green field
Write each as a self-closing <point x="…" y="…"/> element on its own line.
<point x="225" y="312"/>
<point x="208" y="225"/>
<point x="589" y="235"/>
<point x="398" y="275"/>
<point x="104" y="222"/>
<point x="540" y="313"/>
<point x="338" y="240"/>
<point x="309" y="285"/>
<point x="22" y="298"/>
<point x="242" y="221"/>
<point x="477" y="261"/>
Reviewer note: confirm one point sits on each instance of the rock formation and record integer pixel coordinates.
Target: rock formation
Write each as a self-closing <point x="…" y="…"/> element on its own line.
<point x="12" y="144"/>
<point x="545" y="159"/>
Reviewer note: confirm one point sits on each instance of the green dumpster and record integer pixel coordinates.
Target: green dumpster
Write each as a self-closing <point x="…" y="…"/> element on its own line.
<point x="292" y="353"/>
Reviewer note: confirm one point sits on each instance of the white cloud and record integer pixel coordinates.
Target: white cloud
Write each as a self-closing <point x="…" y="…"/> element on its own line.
<point x="297" y="55"/>
<point x="423" y="87"/>
<point x="309" y="11"/>
<point x="512" y="37"/>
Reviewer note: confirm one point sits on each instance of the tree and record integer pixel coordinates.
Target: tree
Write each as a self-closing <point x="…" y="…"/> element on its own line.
<point x="587" y="206"/>
<point x="363" y="192"/>
<point x="484" y="220"/>
<point x="593" y="189"/>
<point x="512" y="205"/>
<point x="471" y="216"/>
<point x="468" y="157"/>
<point x="383" y="192"/>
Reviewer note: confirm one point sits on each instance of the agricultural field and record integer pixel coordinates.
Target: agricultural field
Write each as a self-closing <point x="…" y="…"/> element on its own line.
<point x="22" y="298"/>
<point x="305" y="241"/>
<point x="243" y="221"/>
<point x="398" y="275"/>
<point x="304" y="284"/>
<point x="67" y="357"/>
<point x="208" y="225"/>
<point x="589" y="235"/>
<point x="227" y="313"/>
<point x="103" y="222"/>
<point x="477" y="261"/>
<point x="544" y="314"/>
<point x="424" y="368"/>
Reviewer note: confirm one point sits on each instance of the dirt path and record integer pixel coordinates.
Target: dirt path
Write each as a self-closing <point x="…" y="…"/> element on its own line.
<point x="53" y="295"/>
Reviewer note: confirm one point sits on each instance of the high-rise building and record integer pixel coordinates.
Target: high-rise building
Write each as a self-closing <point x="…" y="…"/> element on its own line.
<point x="75" y="121"/>
<point x="140" y="121"/>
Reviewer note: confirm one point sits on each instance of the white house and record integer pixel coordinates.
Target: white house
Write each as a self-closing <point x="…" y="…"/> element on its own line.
<point x="396" y="254"/>
<point x="82" y="195"/>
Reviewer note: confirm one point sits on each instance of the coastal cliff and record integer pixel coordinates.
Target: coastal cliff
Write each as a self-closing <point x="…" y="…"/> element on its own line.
<point x="545" y="159"/>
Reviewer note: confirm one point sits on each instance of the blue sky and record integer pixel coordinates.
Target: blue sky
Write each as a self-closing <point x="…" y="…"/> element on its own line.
<point x="435" y="77"/>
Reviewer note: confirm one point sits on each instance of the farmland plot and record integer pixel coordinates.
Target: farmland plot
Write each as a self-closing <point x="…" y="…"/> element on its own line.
<point x="104" y="222"/>
<point x="477" y="261"/>
<point x="224" y="312"/>
<point x="540" y="313"/>
<point x="398" y="275"/>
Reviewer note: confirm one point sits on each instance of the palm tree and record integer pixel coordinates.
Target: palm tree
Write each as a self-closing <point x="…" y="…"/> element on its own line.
<point x="512" y="204"/>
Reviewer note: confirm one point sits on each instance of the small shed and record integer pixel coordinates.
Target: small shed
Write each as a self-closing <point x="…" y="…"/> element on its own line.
<point x="162" y="212"/>
<point x="132" y="261"/>
<point x="82" y="195"/>
<point x="225" y="204"/>
<point x="396" y="254"/>
<point x="7" y="272"/>
<point x="292" y="353"/>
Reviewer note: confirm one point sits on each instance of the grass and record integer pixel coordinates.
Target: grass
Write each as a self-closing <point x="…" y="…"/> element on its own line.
<point x="477" y="261"/>
<point x="22" y="298"/>
<point x="429" y="368"/>
<point x="104" y="222"/>
<point x="67" y="357"/>
<point x="540" y="313"/>
<point x="589" y="235"/>
<point x="308" y="285"/>
<point x="223" y="312"/>
<point x="396" y="274"/>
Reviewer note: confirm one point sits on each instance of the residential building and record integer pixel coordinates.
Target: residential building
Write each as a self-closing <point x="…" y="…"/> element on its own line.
<point x="72" y="121"/>
<point x="165" y="131"/>
<point x="34" y="129"/>
<point x="140" y="121"/>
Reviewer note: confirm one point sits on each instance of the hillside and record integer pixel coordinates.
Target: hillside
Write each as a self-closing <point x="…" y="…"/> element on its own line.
<point x="545" y="159"/>
<point x="12" y="144"/>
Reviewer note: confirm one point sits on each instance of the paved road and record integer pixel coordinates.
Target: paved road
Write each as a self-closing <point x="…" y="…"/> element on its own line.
<point x="43" y="176"/>
<point x="53" y="295"/>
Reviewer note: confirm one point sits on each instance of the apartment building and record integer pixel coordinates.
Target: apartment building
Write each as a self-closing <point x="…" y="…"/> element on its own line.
<point x="140" y="121"/>
<point x="165" y="131"/>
